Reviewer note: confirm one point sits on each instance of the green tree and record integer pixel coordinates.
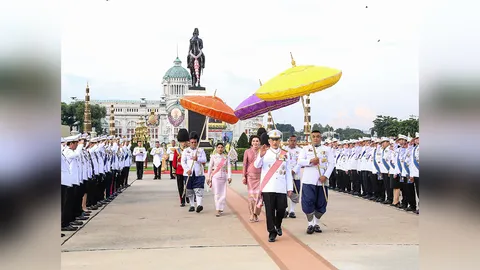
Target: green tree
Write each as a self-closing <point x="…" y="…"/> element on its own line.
<point x="349" y="133"/>
<point x="286" y="129"/>
<point x="70" y="113"/>
<point x="243" y="141"/>
<point x="384" y="125"/>
<point x="387" y="126"/>
<point x="318" y="127"/>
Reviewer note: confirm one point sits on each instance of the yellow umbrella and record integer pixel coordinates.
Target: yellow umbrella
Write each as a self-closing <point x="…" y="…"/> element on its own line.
<point x="298" y="81"/>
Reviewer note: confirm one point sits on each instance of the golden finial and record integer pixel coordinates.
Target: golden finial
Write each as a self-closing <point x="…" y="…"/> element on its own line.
<point x="260" y="82"/>
<point x="293" y="60"/>
<point x="214" y="93"/>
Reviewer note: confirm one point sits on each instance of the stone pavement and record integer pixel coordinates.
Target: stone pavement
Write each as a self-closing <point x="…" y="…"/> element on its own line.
<point x="144" y="228"/>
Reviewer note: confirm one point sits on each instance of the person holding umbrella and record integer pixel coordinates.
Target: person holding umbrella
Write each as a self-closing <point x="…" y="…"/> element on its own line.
<point x="193" y="172"/>
<point x="317" y="170"/>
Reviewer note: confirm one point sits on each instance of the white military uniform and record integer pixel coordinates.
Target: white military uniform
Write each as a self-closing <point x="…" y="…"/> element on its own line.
<point x="314" y="196"/>
<point x="196" y="182"/>
<point x="157" y="153"/>
<point x="295" y="168"/>
<point x="274" y="192"/>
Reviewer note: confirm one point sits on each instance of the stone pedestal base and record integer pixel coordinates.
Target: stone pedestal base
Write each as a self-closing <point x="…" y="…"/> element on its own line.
<point x="195" y="121"/>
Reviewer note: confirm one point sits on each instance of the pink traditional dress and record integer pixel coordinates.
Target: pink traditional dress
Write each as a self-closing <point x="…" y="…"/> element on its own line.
<point x="252" y="175"/>
<point x="219" y="170"/>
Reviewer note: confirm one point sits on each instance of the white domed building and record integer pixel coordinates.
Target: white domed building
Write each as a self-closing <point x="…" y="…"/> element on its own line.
<point x="164" y="117"/>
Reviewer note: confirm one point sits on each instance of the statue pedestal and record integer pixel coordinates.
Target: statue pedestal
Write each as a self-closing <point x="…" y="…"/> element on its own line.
<point x="196" y="88"/>
<point x="195" y="121"/>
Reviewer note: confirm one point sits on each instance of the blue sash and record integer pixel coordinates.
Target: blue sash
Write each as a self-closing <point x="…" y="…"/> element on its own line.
<point x="415" y="162"/>
<point x="384" y="162"/>
<point x="375" y="161"/>
<point x="406" y="168"/>
<point x="339" y="154"/>
<point x="399" y="164"/>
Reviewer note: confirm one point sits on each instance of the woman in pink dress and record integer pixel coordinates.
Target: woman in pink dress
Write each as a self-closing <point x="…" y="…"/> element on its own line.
<point x="219" y="172"/>
<point x="251" y="175"/>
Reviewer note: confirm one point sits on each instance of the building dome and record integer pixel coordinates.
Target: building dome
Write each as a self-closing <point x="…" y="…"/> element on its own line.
<point x="177" y="71"/>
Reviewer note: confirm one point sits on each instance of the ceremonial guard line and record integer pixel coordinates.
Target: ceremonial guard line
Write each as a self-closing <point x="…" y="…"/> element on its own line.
<point x="383" y="170"/>
<point x="93" y="172"/>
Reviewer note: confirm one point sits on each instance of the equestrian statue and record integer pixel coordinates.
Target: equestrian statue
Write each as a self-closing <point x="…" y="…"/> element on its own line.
<point x="196" y="58"/>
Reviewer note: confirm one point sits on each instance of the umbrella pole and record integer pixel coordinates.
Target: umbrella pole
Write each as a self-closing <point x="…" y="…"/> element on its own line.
<point x="196" y="151"/>
<point x="271" y="118"/>
<point x="314" y="148"/>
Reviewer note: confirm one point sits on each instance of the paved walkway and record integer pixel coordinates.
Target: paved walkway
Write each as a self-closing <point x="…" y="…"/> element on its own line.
<point x="144" y="228"/>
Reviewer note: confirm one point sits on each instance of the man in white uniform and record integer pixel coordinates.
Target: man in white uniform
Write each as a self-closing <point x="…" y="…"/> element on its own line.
<point x="293" y="152"/>
<point x="275" y="183"/>
<point x="140" y="155"/>
<point x="316" y="172"/>
<point x="193" y="172"/>
<point x="157" y="153"/>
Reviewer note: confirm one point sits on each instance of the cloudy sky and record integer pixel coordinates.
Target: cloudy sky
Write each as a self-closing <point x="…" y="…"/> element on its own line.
<point x="124" y="47"/>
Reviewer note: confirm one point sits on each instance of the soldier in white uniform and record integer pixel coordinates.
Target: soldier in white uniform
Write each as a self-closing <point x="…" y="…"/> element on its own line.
<point x="72" y="155"/>
<point x="140" y="155"/>
<point x="316" y="172"/>
<point x="157" y="153"/>
<point x="341" y="166"/>
<point x="333" y="177"/>
<point x="196" y="181"/>
<point x="127" y="152"/>
<point x="413" y="162"/>
<point x="293" y="152"/>
<point x="170" y="152"/>
<point x="371" y="167"/>
<point x="276" y="182"/>
<point x="66" y="185"/>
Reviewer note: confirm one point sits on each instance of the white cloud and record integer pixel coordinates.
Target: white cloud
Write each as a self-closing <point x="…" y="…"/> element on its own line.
<point x="123" y="48"/>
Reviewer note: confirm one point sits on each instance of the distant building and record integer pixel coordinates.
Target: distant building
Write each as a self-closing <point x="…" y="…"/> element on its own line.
<point x="164" y="117"/>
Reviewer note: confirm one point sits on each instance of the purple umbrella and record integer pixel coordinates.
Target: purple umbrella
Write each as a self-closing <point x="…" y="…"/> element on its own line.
<point x="254" y="106"/>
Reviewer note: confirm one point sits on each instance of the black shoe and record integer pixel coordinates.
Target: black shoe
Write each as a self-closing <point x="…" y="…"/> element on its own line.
<point x="379" y="200"/>
<point x="272" y="236"/>
<point x="62" y="235"/>
<point x="279" y="232"/>
<point x="199" y="208"/>
<point x="286" y="214"/>
<point x="81" y="218"/>
<point x="317" y="229"/>
<point x="411" y="209"/>
<point x="356" y="193"/>
<point x="69" y="228"/>
<point x="187" y="200"/>
<point x="87" y="212"/>
<point x="155" y="178"/>
<point x="191" y="209"/>
<point x="418" y="212"/>
<point x="182" y="205"/>
<point x="310" y="229"/>
<point x="76" y="223"/>
<point x="292" y="215"/>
